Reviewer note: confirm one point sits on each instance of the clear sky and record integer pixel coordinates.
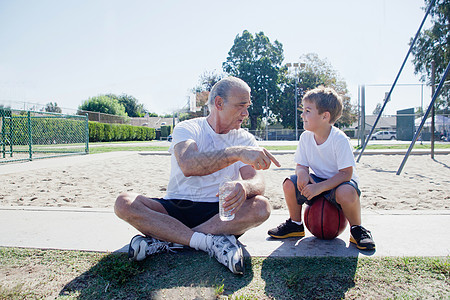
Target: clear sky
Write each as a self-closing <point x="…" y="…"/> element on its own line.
<point x="68" y="51"/>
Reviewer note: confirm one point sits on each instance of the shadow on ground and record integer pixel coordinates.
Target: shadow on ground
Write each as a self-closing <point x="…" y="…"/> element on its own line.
<point x="185" y="275"/>
<point x="308" y="277"/>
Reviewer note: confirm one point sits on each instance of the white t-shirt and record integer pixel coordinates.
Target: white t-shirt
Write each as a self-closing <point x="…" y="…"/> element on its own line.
<point x="204" y="188"/>
<point x="325" y="160"/>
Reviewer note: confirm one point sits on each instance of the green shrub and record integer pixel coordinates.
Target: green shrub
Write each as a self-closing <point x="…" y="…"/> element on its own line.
<point x="166" y="130"/>
<point x="100" y="132"/>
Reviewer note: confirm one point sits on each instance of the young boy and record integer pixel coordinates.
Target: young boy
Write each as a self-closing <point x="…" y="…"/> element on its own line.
<point x="325" y="150"/>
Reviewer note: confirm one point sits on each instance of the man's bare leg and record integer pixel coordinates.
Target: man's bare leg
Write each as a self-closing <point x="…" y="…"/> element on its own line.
<point x="151" y="218"/>
<point x="253" y="212"/>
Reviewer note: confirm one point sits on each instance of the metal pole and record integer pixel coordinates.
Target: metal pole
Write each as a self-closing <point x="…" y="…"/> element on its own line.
<point x="267" y="117"/>
<point x="30" y="137"/>
<point x="395" y="81"/>
<point x="87" y="134"/>
<point x="363" y="112"/>
<point x="424" y="119"/>
<point x="359" y="116"/>
<point x="296" y="109"/>
<point x="433" y="81"/>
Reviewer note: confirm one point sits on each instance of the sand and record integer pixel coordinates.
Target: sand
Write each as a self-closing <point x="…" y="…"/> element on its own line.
<point x="95" y="183"/>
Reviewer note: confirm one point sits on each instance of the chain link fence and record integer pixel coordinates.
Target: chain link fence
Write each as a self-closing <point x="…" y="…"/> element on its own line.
<point x="28" y="135"/>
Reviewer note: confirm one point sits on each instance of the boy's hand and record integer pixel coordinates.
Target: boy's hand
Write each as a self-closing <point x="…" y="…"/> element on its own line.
<point x="311" y="190"/>
<point x="302" y="181"/>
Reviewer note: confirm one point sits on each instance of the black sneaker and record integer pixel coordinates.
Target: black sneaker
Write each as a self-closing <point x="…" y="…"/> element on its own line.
<point x="362" y="238"/>
<point x="286" y="230"/>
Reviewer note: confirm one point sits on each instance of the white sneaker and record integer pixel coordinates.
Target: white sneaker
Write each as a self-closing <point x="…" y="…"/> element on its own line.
<point x="141" y="247"/>
<point x="227" y="251"/>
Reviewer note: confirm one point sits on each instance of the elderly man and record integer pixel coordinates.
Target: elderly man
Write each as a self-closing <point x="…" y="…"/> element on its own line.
<point x="205" y="151"/>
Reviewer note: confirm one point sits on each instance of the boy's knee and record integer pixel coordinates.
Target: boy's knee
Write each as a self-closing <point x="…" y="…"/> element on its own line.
<point x="346" y="194"/>
<point x="288" y="186"/>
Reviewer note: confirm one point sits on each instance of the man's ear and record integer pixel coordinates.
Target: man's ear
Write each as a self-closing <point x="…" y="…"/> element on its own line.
<point x="218" y="102"/>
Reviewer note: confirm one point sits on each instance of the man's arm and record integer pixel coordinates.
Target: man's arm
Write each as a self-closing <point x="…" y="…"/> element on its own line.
<point x="195" y="163"/>
<point x="252" y="181"/>
<point x="251" y="185"/>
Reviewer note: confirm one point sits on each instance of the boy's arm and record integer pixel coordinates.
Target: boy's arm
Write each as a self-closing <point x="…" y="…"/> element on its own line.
<point x="302" y="173"/>
<point x="315" y="189"/>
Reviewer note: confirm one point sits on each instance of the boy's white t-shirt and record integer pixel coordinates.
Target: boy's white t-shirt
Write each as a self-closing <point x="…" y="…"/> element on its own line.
<point x="327" y="159"/>
<point x="204" y="188"/>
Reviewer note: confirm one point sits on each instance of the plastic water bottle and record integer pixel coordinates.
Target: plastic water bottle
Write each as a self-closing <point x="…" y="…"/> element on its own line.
<point x="225" y="189"/>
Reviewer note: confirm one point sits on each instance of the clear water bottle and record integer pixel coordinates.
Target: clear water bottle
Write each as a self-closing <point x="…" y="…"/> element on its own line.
<point x="225" y="189"/>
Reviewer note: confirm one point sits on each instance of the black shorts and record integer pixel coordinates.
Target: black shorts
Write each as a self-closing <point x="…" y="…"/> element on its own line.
<point x="329" y="195"/>
<point x="188" y="212"/>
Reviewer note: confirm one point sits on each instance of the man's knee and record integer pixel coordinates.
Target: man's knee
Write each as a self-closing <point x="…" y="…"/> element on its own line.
<point x="122" y="205"/>
<point x="262" y="208"/>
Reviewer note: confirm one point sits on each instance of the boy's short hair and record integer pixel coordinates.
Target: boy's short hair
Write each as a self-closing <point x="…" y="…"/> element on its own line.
<point x="326" y="99"/>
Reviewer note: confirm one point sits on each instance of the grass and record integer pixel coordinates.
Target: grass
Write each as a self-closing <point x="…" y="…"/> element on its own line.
<point x="36" y="274"/>
<point x="135" y="147"/>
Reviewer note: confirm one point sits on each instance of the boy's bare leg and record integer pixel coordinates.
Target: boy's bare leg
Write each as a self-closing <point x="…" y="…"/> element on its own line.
<point x="295" y="210"/>
<point x="348" y="198"/>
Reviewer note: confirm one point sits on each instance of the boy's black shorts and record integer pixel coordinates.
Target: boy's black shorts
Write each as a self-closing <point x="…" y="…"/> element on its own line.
<point x="329" y="195"/>
<point x="188" y="212"/>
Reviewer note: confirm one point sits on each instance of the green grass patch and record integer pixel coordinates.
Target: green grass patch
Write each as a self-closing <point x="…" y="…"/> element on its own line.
<point x="33" y="273"/>
<point x="135" y="147"/>
<point x="104" y="149"/>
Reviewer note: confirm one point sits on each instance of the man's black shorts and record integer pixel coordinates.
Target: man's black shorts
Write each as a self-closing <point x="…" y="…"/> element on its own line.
<point x="188" y="212"/>
<point x="329" y="195"/>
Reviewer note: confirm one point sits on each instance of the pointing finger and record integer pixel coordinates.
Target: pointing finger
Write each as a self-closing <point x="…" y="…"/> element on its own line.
<point x="272" y="158"/>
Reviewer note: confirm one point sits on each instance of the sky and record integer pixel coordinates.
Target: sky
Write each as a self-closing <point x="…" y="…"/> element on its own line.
<point x="69" y="51"/>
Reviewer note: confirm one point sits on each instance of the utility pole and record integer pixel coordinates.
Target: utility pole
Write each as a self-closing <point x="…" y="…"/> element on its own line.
<point x="433" y="89"/>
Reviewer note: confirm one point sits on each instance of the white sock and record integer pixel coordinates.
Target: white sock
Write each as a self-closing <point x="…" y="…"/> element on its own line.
<point x="298" y="223"/>
<point x="198" y="241"/>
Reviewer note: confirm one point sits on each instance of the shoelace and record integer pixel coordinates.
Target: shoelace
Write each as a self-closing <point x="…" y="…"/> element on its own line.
<point x="156" y="246"/>
<point x="363" y="234"/>
<point x="223" y="246"/>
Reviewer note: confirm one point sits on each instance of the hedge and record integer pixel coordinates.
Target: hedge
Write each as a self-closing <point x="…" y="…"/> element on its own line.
<point x="101" y="132"/>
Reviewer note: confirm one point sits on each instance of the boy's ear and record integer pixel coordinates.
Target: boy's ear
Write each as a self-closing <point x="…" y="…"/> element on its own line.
<point x="326" y="115"/>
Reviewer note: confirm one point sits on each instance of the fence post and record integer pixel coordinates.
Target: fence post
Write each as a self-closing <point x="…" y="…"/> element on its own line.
<point x="87" y="134"/>
<point x="30" y="137"/>
<point x="3" y="133"/>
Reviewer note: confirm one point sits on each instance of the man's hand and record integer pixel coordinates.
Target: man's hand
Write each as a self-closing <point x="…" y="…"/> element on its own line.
<point x="257" y="157"/>
<point x="236" y="198"/>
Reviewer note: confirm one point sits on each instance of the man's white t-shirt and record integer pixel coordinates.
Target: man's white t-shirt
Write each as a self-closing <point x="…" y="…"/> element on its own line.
<point x="204" y="188"/>
<point x="327" y="159"/>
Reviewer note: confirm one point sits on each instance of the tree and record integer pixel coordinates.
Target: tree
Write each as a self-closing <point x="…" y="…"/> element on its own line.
<point x="206" y="81"/>
<point x="104" y="104"/>
<point x="312" y="73"/>
<point x="132" y="106"/>
<point x="434" y="44"/>
<point x="52" y="107"/>
<point x="257" y="61"/>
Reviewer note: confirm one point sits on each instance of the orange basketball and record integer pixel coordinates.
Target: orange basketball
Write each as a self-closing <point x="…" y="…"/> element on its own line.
<point x="324" y="220"/>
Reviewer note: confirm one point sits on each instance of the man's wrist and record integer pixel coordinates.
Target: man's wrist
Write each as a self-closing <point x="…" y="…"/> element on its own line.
<point x="232" y="154"/>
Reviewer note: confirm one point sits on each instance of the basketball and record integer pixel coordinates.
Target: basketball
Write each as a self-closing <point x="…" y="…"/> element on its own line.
<point x="324" y="220"/>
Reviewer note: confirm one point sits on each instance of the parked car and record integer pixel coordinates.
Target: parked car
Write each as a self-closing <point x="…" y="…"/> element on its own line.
<point x="384" y="135"/>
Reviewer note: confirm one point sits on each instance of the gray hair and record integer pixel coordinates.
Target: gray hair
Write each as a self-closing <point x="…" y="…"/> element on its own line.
<point x="223" y="87"/>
